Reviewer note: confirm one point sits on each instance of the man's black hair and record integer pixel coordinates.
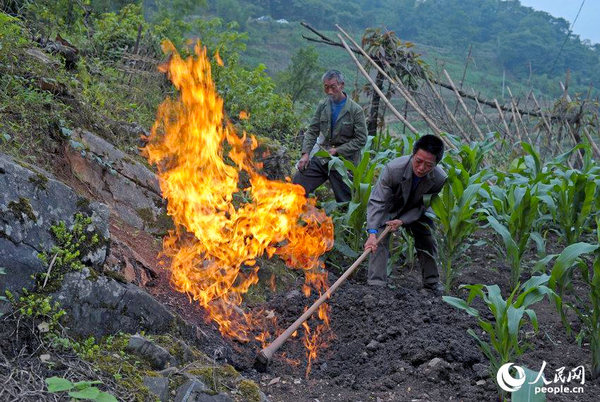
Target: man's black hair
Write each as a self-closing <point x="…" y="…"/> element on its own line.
<point x="432" y="144"/>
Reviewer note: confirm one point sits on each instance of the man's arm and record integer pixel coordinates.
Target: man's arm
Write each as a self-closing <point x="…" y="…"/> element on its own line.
<point x="312" y="133"/>
<point x="380" y="196"/>
<point x="360" y="135"/>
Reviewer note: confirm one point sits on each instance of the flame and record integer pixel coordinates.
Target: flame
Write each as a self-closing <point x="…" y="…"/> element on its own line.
<point x="226" y="214"/>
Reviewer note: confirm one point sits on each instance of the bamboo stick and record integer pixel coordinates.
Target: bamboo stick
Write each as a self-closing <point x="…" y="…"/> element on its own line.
<point x="397" y="85"/>
<point x="448" y="111"/>
<point x="376" y="88"/>
<point x="464" y="106"/>
<point x="502" y="118"/>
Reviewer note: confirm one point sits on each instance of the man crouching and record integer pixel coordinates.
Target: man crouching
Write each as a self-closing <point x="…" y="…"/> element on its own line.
<point x="397" y="200"/>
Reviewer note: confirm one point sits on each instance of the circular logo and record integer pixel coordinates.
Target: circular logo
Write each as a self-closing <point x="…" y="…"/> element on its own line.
<point x="508" y="382"/>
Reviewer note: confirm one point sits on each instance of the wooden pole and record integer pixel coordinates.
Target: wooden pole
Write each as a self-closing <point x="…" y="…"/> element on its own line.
<point x="397" y="85"/>
<point x="464" y="106"/>
<point x="265" y="355"/>
<point x="376" y="88"/>
<point x="448" y="111"/>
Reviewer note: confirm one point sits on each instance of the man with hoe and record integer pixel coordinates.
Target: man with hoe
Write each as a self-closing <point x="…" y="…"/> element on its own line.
<point x="397" y="200"/>
<point x="341" y="121"/>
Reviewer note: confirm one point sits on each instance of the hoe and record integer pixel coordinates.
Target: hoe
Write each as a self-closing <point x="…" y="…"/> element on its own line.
<point x="264" y="356"/>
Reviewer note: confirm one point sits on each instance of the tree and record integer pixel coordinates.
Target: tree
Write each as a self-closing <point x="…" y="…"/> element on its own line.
<point x="301" y="79"/>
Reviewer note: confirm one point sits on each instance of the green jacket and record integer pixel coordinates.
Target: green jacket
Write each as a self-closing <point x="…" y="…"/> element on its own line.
<point x="349" y="134"/>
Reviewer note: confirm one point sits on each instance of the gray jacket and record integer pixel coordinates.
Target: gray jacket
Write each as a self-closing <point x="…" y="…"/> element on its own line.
<point x="349" y="133"/>
<point x="391" y="197"/>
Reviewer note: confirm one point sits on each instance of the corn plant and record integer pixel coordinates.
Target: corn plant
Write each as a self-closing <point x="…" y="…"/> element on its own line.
<point x="503" y="330"/>
<point x="572" y="201"/>
<point x="472" y="155"/>
<point x="588" y="311"/>
<point x="513" y="215"/>
<point x="456" y="212"/>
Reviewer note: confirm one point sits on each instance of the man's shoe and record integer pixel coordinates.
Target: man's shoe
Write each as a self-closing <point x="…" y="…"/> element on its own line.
<point x="436" y="288"/>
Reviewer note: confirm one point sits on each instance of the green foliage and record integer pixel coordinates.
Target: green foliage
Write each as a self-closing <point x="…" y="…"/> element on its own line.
<point x="71" y="245"/>
<point x="514" y="211"/>
<point x="527" y="391"/>
<point x="252" y="91"/>
<point x="588" y="311"/>
<point x="51" y="17"/>
<point x="39" y="307"/>
<point x="456" y="212"/>
<point x="79" y="390"/>
<point x="115" y="31"/>
<point x="301" y="79"/>
<point x="504" y="343"/>
<point x="574" y="201"/>
<point x="472" y="155"/>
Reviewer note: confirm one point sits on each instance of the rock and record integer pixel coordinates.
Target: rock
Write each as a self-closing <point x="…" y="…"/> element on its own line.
<point x="481" y="370"/>
<point x="393" y="330"/>
<point x="373" y="346"/>
<point x="129" y="188"/>
<point x="30" y="203"/>
<point x="158" y="357"/>
<point x="369" y="301"/>
<point x="434" y="362"/>
<point x="193" y="391"/>
<point x="222" y="398"/>
<point x="158" y="386"/>
<point x="436" y="370"/>
<point x="104" y="306"/>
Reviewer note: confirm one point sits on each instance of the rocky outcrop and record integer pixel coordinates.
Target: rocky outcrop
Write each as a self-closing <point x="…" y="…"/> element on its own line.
<point x="128" y="187"/>
<point x="103" y="306"/>
<point x="31" y="201"/>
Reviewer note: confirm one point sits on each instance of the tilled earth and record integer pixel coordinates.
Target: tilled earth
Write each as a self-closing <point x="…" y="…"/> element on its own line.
<point x="404" y="344"/>
<point x="397" y="343"/>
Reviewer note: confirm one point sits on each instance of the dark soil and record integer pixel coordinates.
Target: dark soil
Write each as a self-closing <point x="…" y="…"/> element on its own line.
<point x="398" y="343"/>
<point x="404" y="344"/>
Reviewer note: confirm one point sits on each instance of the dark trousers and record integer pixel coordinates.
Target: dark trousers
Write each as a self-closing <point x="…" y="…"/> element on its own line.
<point x="316" y="173"/>
<point x="426" y="247"/>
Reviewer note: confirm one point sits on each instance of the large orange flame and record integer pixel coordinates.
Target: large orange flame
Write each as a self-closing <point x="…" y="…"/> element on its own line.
<point x="220" y="228"/>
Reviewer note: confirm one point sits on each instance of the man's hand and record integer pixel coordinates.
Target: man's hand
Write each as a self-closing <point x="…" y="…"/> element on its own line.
<point x="332" y="151"/>
<point x="394" y="224"/>
<point x="371" y="243"/>
<point x="303" y="162"/>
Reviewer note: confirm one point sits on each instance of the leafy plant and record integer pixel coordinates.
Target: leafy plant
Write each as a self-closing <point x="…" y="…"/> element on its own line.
<point x="574" y="200"/>
<point x="456" y="212"/>
<point x="514" y="212"/>
<point x="39" y="307"/>
<point x="79" y="390"/>
<point x="504" y="344"/>
<point x="66" y="255"/>
<point x="588" y="311"/>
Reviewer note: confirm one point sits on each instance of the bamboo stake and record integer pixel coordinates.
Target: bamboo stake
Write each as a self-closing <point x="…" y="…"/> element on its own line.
<point x="579" y="152"/>
<point x="487" y="120"/>
<point x="512" y="99"/>
<point x="464" y="106"/>
<point x="502" y="118"/>
<point x="513" y="118"/>
<point x="448" y="111"/>
<point x="376" y="88"/>
<point x="397" y="85"/>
